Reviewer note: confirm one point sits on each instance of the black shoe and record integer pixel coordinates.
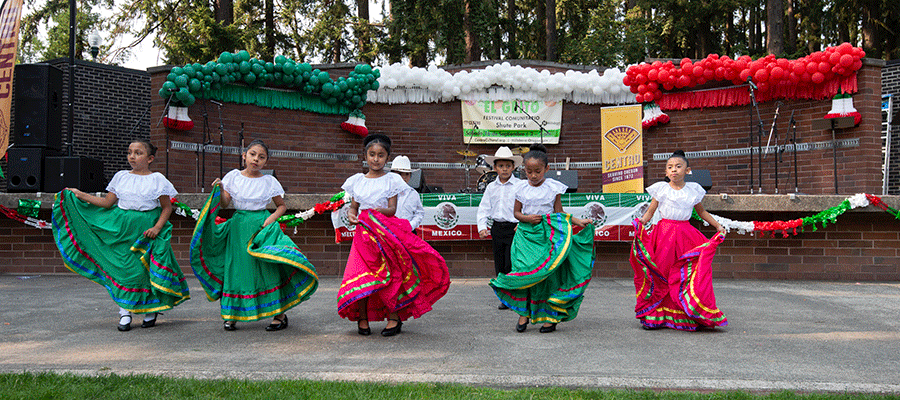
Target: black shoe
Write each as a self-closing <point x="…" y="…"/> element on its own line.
<point x="548" y="329"/>
<point x="503" y="307"/>
<point x="230" y="325"/>
<point x="282" y="323"/>
<point x="149" y="323"/>
<point x="521" y="327"/>
<point x="363" y="331"/>
<point x="651" y="328"/>
<point x="126" y="326"/>
<point x="392" y="331"/>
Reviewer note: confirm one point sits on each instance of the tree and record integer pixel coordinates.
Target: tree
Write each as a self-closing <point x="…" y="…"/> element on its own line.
<point x="55" y="15"/>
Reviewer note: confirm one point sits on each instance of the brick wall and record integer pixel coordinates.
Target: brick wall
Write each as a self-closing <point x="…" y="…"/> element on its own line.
<point x="111" y="109"/>
<point x="433" y="132"/>
<point x="890" y="84"/>
<point x="862" y="246"/>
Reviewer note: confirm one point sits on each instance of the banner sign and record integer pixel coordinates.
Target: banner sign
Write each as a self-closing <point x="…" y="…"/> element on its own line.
<point x="512" y="122"/>
<point x="622" y="149"/>
<point x="452" y="216"/>
<point x="9" y="39"/>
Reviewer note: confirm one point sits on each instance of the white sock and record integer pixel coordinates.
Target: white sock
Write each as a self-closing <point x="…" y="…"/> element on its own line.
<point x="123" y="312"/>
<point x="124" y="319"/>
<point x="149" y="317"/>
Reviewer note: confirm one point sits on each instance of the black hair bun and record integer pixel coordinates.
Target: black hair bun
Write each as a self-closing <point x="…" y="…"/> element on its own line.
<point x="376" y="136"/>
<point x="679" y="153"/>
<point x="537" y="147"/>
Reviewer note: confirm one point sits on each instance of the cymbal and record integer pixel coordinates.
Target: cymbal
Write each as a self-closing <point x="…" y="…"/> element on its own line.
<point x="468" y="163"/>
<point x="520" y="150"/>
<point x="466" y="153"/>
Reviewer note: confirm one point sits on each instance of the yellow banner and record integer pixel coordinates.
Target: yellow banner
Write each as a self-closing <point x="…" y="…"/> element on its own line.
<point x="622" y="149"/>
<point x="9" y="39"/>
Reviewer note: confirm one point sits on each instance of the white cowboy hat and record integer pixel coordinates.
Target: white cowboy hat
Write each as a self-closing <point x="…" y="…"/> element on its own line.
<point x="402" y="164"/>
<point x="504" y="153"/>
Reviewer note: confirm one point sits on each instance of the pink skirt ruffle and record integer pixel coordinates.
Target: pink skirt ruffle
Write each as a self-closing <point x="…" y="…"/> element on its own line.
<point x="673" y="276"/>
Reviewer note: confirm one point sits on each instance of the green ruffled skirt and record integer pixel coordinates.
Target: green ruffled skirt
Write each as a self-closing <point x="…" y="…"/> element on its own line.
<point x="108" y="247"/>
<point x="254" y="272"/>
<point x="551" y="268"/>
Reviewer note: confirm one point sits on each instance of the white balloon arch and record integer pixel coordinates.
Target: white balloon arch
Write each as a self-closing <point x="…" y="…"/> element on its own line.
<point x="400" y="84"/>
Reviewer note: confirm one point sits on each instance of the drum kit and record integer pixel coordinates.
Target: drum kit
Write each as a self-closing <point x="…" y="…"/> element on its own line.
<point x="481" y="166"/>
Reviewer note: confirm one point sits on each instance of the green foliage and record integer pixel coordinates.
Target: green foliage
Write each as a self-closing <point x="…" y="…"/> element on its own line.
<point x="54" y="17"/>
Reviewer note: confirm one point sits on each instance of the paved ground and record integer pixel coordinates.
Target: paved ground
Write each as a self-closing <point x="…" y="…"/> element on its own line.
<point x="809" y="336"/>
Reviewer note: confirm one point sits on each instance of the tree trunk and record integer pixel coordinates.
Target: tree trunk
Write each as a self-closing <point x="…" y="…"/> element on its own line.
<point x="551" y="30"/>
<point x="512" y="46"/>
<point x="775" y="27"/>
<point x="270" y="31"/>
<point x="790" y="45"/>
<point x="541" y="40"/>
<point x="871" y="37"/>
<point x="225" y="12"/>
<point x="362" y="30"/>
<point x="473" y="48"/>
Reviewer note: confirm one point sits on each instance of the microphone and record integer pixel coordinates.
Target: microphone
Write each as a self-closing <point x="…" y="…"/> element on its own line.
<point x="750" y="82"/>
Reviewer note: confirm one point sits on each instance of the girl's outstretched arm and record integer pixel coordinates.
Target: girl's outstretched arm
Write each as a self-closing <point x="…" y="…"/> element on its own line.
<point x="650" y="211"/>
<point x="557" y="204"/>
<point x="706" y="216"/>
<point x="164" y="215"/>
<point x="106" y="202"/>
<point x="279" y="211"/>
<point x="353" y="212"/>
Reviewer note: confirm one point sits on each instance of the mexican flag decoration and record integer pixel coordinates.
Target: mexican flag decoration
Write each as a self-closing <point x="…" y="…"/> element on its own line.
<point x="842" y="106"/>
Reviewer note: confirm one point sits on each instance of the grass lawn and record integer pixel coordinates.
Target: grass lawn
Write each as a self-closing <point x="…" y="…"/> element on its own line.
<point x="68" y="386"/>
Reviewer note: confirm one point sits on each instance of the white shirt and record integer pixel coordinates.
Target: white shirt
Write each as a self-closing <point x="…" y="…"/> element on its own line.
<point x="539" y="200"/>
<point x="676" y="204"/>
<point x="409" y="207"/>
<point x="251" y="193"/>
<point x="374" y="192"/>
<point x="497" y="202"/>
<point x="140" y="192"/>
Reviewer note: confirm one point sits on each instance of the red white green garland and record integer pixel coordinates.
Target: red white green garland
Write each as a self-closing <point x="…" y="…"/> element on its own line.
<point x="790" y="227"/>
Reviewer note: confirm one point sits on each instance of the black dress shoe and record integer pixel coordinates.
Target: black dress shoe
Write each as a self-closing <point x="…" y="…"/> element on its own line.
<point x="521" y="327"/>
<point x="126" y="326"/>
<point x="548" y="329"/>
<point x="363" y="331"/>
<point x="503" y="307"/>
<point x="392" y="331"/>
<point x="149" y="323"/>
<point x="230" y="325"/>
<point x="282" y="323"/>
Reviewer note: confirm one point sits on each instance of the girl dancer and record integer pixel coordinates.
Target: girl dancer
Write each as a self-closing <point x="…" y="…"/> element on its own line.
<point x="551" y="266"/>
<point x="247" y="262"/>
<point x="391" y="273"/>
<point x="125" y="248"/>
<point x="672" y="262"/>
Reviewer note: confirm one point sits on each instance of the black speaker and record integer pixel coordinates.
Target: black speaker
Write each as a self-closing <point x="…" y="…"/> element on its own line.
<point x="38" y="121"/>
<point x="569" y="177"/>
<point x="26" y="167"/>
<point x="80" y="172"/>
<point x="701" y="176"/>
<point x="417" y="181"/>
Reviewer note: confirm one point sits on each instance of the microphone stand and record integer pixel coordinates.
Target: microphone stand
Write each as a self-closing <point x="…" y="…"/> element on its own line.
<point x="221" y="139"/>
<point x="541" y="127"/>
<point x="755" y="106"/>
<point x="774" y="131"/>
<point x="206" y="141"/>
<point x="158" y="122"/>
<point x="241" y="150"/>
<point x="793" y="129"/>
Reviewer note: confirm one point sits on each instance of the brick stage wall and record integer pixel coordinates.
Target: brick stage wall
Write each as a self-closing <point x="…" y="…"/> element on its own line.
<point x="862" y="246"/>
<point x="432" y="132"/>
<point x="890" y="84"/>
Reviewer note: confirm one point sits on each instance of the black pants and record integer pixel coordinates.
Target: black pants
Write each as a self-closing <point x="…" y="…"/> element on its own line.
<point x="502" y="234"/>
